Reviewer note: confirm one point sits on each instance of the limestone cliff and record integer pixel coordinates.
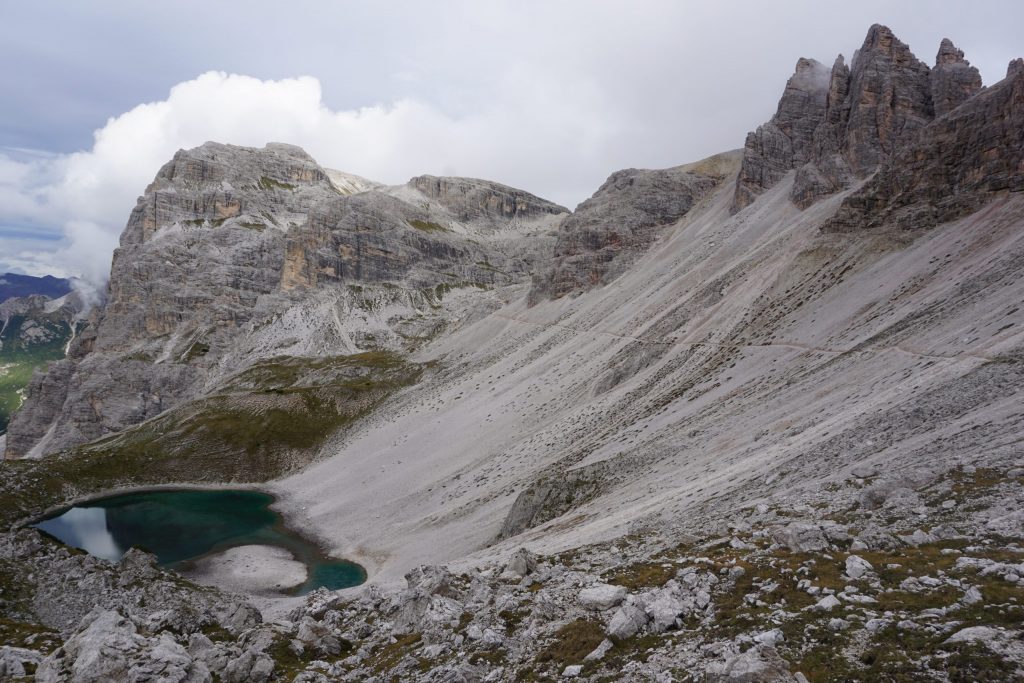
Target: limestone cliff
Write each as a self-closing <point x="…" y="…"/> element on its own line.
<point x="785" y="142"/>
<point x="855" y="119"/>
<point x="960" y="162"/>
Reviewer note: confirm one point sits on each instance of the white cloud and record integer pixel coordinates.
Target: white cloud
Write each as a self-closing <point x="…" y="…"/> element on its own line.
<point x="87" y="196"/>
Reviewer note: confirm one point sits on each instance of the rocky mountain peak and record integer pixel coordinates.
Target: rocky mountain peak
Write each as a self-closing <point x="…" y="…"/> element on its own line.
<point x="215" y="182"/>
<point x="869" y="111"/>
<point x="607" y="232"/>
<point x="471" y="199"/>
<point x="890" y="99"/>
<point x="953" y="79"/>
<point x="948" y="53"/>
<point x="785" y="141"/>
<point x="1015" y="67"/>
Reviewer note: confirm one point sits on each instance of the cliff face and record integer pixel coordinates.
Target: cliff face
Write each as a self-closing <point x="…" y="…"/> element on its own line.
<point x="263" y="247"/>
<point x="870" y="111"/>
<point x="785" y="142"/>
<point x="956" y="165"/>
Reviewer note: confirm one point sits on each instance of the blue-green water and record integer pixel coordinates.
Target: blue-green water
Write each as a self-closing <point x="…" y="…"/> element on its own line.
<point x="181" y="525"/>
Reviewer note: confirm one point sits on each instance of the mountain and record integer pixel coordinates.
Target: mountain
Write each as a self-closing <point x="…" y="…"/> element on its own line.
<point x="754" y="418"/>
<point x="34" y="330"/>
<point x="14" y="285"/>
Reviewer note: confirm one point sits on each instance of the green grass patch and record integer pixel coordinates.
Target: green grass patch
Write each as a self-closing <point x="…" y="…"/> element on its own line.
<point x="427" y="226"/>
<point x="18" y="361"/>
<point x="387" y="657"/>
<point x="643" y="575"/>
<point x="266" y="422"/>
<point x="572" y="643"/>
<point x="268" y="183"/>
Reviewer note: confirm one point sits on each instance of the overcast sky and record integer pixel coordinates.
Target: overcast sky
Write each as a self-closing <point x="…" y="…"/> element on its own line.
<point x="549" y="96"/>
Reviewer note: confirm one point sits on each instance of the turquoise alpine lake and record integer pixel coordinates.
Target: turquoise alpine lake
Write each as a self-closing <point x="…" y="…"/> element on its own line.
<point x="180" y="526"/>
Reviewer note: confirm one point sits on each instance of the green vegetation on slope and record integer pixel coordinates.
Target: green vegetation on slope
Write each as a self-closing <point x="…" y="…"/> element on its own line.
<point x="265" y="422"/>
<point x="18" y="360"/>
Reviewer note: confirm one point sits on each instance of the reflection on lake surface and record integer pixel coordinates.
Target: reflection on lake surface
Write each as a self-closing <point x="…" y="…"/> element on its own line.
<point x="182" y="525"/>
<point x="85" y="528"/>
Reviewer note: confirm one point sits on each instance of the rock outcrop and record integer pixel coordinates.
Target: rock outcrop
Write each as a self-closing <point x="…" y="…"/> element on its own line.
<point x="863" y="116"/>
<point x="606" y="233"/>
<point x="785" y="142"/>
<point x="469" y="199"/>
<point x="957" y="164"/>
<point x="954" y="80"/>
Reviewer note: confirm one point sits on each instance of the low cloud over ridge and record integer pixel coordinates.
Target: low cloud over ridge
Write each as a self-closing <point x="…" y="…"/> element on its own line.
<point x="83" y="199"/>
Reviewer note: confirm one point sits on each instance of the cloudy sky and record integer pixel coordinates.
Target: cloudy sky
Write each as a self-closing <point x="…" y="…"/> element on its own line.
<point x="548" y="96"/>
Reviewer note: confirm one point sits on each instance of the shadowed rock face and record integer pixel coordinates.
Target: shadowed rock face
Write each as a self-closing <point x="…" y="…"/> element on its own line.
<point x="607" y="232"/>
<point x="954" y="80"/>
<point x="784" y="143"/>
<point x="227" y="240"/>
<point x="959" y="161"/>
<point x="871" y="111"/>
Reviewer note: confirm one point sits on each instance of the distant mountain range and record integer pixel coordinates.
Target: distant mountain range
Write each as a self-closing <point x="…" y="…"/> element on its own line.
<point x="14" y="285"/>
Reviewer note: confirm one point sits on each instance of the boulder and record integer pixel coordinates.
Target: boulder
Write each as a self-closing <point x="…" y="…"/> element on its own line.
<point x="627" y="622"/>
<point x="602" y="596"/>
<point x="857" y="567"/>
<point x="523" y="562"/>
<point x="761" y="664"/>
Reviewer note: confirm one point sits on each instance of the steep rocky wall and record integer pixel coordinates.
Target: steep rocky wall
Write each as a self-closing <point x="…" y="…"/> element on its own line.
<point x="855" y="118"/>
<point x="785" y="142"/>
<point x="957" y="164"/>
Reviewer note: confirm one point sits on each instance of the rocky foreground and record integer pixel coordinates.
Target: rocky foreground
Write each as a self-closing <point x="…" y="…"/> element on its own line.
<point x="916" y="577"/>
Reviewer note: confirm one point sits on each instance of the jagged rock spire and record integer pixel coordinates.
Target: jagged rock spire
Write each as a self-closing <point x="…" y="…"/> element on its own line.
<point x="784" y="143"/>
<point x="853" y="118"/>
<point x="953" y="79"/>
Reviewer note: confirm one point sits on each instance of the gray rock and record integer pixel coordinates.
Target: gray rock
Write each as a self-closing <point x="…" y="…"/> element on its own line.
<point x="665" y="608"/>
<point x="857" y="567"/>
<point x="600" y="651"/>
<point x="757" y="665"/>
<point x="101" y="652"/>
<point x="801" y="536"/>
<point x="627" y="622"/>
<point x="770" y="638"/>
<point x="252" y="666"/>
<point x="865" y="471"/>
<point x="953" y="79"/>
<point x="973" y="634"/>
<point x="602" y="596"/>
<point x="827" y="603"/>
<point x="523" y="562"/>
<point x="16" y="661"/>
<point x="606" y="233"/>
<point x="784" y="142"/>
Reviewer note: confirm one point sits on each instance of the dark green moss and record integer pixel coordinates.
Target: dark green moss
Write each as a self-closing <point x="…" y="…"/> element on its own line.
<point x="427" y="226"/>
<point x="267" y="183"/>
<point x="572" y="643"/>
